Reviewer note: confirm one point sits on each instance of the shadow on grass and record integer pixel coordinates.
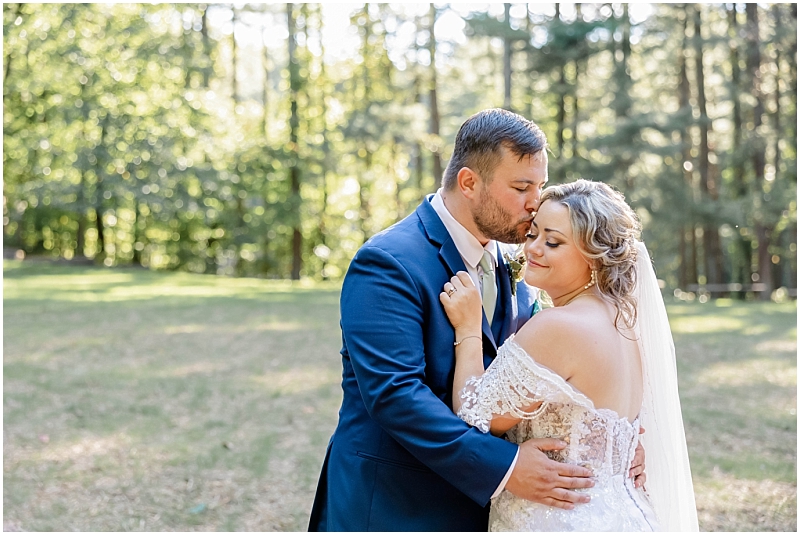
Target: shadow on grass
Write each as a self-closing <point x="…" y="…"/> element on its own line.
<point x="152" y="408"/>
<point x="136" y="400"/>
<point x="737" y="367"/>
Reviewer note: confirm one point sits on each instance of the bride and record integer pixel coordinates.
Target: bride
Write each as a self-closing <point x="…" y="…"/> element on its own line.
<point x="589" y="371"/>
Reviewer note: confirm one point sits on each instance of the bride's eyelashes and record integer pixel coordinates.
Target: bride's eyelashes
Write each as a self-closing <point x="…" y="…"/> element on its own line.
<point x="547" y="243"/>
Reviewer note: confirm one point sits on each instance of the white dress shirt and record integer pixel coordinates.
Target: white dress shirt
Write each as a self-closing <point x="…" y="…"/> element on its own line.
<point x="471" y="252"/>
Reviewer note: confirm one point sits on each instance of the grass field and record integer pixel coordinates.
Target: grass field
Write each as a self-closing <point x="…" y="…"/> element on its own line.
<point x="142" y="401"/>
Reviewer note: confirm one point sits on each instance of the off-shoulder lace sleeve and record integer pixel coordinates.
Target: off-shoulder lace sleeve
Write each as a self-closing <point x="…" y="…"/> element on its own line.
<point x="513" y="382"/>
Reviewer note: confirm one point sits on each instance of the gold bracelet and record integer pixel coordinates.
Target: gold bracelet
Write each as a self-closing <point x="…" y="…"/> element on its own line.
<point x="455" y="344"/>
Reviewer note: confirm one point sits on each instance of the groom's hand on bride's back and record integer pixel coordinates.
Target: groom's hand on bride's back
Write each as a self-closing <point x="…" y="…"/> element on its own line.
<point x="637" y="465"/>
<point x="542" y="480"/>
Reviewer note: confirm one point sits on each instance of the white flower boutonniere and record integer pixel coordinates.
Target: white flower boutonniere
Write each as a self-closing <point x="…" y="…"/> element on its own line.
<point x="516" y="268"/>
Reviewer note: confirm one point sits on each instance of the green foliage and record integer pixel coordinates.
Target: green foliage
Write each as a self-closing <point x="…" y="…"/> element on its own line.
<point x="124" y="142"/>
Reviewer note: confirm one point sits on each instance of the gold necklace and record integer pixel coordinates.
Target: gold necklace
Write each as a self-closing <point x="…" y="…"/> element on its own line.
<point x="581" y="294"/>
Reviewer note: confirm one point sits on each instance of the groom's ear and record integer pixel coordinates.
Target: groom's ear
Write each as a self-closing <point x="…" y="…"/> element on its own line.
<point x="468" y="182"/>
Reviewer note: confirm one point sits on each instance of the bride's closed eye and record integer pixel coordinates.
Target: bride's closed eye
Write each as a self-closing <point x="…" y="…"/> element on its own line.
<point x="547" y="243"/>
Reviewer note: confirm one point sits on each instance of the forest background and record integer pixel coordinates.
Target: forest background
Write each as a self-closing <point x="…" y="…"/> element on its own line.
<point x="149" y="135"/>
<point x="268" y="142"/>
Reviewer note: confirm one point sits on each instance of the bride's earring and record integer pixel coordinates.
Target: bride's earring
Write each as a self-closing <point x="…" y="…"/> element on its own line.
<point x="593" y="281"/>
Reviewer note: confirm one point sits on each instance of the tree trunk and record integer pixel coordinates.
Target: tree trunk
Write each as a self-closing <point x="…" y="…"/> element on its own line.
<point x="622" y="99"/>
<point x="265" y="66"/>
<point x="790" y="279"/>
<point x="711" y="243"/>
<point x="758" y="158"/>
<point x="507" y="59"/>
<point x="561" y="113"/>
<point x="740" y="187"/>
<point x="294" y="127"/>
<point x="137" y="254"/>
<point x="81" y="236"/>
<point x="99" y="193"/>
<point x="693" y="262"/>
<point x="101" y="240"/>
<point x="683" y="271"/>
<point x="398" y="186"/>
<point x="529" y="56"/>
<point x="80" y="247"/>
<point x="234" y="79"/>
<point x="363" y="199"/>
<point x="434" y="104"/>
<point x="326" y="150"/>
<point x="684" y="105"/>
<point x="793" y="77"/>
<point x="207" y="68"/>
<point x="776" y="117"/>
<point x="7" y="70"/>
<point x="419" y="89"/>
<point x="575" y="108"/>
<point x="742" y="273"/>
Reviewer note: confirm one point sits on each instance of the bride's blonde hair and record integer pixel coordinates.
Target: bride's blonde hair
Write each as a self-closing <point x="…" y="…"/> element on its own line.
<point x="605" y="230"/>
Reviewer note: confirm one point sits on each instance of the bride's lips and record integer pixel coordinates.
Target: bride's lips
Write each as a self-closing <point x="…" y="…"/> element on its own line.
<point x="535" y="264"/>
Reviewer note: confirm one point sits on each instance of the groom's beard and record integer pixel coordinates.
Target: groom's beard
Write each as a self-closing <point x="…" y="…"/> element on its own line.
<point x="496" y="223"/>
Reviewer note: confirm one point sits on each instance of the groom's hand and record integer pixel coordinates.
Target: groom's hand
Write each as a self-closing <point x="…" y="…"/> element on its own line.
<point x="541" y="480"/>
<point x="637" y="465"/>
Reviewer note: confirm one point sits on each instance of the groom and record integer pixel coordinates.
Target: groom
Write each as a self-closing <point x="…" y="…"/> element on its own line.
<point x="400" y="460"/>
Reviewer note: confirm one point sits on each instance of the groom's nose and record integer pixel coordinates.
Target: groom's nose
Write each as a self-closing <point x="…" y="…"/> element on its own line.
<point x="532" y="203"/>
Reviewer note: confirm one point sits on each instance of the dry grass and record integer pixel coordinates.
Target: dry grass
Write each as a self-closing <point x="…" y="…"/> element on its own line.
<point x="143" y="401"/>
<point x="171" y="402"/>
<point x="737" y="364"/>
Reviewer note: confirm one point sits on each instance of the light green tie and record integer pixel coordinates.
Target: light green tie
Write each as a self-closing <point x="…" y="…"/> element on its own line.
<point x="489" y="286"/>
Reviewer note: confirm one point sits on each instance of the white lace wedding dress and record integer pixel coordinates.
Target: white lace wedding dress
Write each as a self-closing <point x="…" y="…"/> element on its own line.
<point x="597" y="439"/>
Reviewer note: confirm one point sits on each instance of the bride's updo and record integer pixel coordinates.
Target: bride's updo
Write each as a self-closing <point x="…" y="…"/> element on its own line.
<point x="605" y="230"/>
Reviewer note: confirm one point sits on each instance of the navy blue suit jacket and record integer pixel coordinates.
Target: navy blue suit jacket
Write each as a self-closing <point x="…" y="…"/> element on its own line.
<point x="400" y="460"/>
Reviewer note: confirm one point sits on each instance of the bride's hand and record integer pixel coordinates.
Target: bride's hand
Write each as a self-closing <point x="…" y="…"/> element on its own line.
<point x="462" y="303"/>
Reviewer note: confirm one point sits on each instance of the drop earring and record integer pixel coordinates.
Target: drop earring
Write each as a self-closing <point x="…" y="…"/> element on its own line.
<point x="593" y="281"/>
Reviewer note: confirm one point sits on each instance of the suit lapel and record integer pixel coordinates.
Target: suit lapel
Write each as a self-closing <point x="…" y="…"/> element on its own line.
<point x="507" y="302"/>
<point x="448" y="252"/>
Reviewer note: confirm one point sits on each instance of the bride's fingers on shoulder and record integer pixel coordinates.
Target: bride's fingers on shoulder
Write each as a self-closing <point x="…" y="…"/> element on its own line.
<point x="465" y="279"/>
<point x="457" y="281"/>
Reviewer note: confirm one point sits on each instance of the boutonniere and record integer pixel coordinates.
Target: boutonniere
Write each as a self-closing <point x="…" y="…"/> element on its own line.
<point x="516" y="267"/>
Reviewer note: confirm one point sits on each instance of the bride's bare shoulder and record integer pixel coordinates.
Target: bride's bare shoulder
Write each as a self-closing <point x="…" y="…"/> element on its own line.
<point x="552" y="336"/>
<point x="551" y="322"/>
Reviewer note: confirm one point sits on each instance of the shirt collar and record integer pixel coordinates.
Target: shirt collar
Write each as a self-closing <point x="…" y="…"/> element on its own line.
<point x="467" y="244"/>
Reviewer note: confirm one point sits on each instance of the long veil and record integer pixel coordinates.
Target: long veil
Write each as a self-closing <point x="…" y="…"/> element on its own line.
<point x="669" y="478"/>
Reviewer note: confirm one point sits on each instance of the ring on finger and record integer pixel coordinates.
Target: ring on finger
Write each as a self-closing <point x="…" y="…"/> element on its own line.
<point x="451" y="291"/>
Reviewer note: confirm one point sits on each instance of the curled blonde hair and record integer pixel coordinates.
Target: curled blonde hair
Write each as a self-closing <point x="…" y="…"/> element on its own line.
<point x="605" y="230"/>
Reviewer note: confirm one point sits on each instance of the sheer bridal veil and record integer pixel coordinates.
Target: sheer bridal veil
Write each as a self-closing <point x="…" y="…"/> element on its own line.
<point x="669" y="478"/>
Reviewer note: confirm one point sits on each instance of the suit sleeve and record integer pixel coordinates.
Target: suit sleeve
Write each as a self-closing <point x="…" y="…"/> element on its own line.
<point x="383" y="322"/>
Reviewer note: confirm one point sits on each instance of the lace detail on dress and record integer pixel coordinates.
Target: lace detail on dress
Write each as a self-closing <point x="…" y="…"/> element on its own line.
<point x="513" y="384"/>
<point x="549" y="407"/>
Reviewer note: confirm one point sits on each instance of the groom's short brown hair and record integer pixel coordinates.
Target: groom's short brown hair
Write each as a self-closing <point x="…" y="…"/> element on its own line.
<point x="479" y="140"/>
